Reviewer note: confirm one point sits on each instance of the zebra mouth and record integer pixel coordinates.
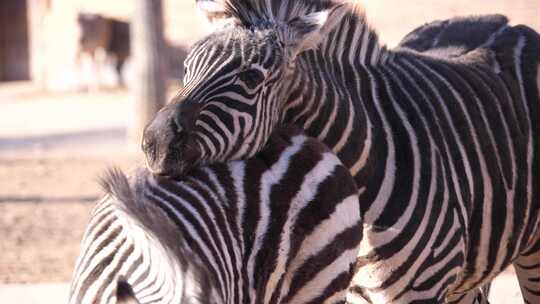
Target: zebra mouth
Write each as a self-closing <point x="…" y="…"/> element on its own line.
<point x="178" y="172"/>
<point x="177" y="163"/>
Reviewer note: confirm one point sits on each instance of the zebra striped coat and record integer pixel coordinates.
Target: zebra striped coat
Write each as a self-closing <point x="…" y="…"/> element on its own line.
<point x="444" y="148"/>
<point x="282" y="227"/>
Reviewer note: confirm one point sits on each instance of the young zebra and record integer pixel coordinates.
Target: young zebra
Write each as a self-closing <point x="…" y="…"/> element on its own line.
<point x="281" y="227"/>
<point x="444" y="149"/>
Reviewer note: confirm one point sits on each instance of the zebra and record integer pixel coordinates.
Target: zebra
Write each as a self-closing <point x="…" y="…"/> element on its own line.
<point x="281" y="227"/>
<point x="455" y="37"/>
<point x="444" y="151"/>
<point x="102" y="34"/>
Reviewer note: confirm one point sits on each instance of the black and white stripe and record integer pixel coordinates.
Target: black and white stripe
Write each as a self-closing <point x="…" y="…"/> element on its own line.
<point x="443" y="140"/>
<point x="282" y="227"/>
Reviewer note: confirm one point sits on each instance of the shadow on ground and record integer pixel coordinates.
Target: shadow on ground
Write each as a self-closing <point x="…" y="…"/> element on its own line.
<point x="89" y="139"/>
<point x="47" y="199"/>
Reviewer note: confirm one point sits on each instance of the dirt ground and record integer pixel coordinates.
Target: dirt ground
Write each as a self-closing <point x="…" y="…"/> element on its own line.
<point x="44" y="206"/>
<point x="53" y="148"/>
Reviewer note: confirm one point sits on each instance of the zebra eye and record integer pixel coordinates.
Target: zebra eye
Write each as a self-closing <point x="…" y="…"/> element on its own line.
<point x="251" y="78"/>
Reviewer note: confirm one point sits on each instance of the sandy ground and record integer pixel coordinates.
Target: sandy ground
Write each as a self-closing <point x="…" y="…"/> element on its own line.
<point x="53" y="147"/>
<point x="44" y="207"/>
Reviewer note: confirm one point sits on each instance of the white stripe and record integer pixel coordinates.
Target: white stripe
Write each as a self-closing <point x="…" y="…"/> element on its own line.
<point x="308" y="190"/>
<point x="345" y="216"/>
<point x="269" y="178"/>
<point x="315" y="286"/>
<point x="379" y="203"/>
<point x="238" y="174"/>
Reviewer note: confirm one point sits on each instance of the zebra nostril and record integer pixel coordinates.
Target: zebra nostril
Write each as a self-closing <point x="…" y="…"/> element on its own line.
<point x="148" y="146"/>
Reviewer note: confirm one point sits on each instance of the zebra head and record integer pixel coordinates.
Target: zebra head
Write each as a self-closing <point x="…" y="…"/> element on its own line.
<point x="235" y="82"/>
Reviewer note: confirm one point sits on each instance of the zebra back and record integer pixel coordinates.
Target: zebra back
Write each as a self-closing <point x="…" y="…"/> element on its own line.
<point x="282" y="227"/>
<point x="447" y="36"/>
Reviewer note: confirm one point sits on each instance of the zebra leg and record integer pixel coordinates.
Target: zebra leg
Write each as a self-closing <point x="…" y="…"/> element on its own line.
<point x="527" y="267"/>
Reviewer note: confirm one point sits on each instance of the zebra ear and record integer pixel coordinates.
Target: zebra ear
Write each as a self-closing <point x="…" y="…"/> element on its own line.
<point x="307" y="32"/>
<point x="216" y="12"/>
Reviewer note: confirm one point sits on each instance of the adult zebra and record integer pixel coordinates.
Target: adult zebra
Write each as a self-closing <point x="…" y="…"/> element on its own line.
<point x="444" y="150"/>
<point x="282" y="227"/>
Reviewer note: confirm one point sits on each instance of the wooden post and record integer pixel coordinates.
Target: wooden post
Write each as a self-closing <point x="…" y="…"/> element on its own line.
<point x="148" y="87"/>
<point x="37" y="13"/>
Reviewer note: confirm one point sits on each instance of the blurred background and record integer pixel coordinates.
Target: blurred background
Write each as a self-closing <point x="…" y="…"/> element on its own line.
<point x="66" y="112"/>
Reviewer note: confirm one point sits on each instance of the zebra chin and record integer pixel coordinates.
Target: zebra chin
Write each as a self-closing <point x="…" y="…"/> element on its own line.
<point x="178" y="172"/>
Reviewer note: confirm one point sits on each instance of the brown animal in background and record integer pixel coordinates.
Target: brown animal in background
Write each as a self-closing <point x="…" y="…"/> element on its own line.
<point x="104" y="35"/>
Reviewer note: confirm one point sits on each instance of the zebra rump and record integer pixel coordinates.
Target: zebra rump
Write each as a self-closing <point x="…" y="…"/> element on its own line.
<point x="281" y="227"/>
<point x="457" y="36"/>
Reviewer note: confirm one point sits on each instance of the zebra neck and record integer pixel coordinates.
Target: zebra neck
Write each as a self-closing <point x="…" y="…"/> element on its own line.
<point x="352" y="43"/>
<point x="333" y="67"/>
<point x="352" y="46"/>
<point x="332" y="96"/>
<point x="338" y="109"/>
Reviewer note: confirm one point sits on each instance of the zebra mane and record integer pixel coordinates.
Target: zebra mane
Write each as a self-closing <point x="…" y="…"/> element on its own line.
<point x="127" y="194"/>
<point x="296" y="20"/>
